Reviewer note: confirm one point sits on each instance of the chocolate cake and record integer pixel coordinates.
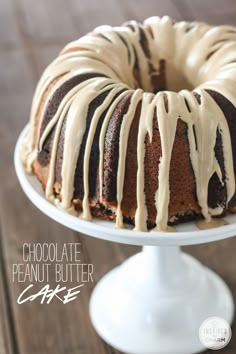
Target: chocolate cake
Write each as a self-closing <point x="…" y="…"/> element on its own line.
<point x="137" y="124"/>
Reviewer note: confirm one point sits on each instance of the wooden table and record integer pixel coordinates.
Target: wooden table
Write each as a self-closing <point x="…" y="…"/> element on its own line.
<point x="31" y="34"/>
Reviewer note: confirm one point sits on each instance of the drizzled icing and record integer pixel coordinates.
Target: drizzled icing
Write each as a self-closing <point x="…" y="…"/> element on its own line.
<point x="195" y="55"/>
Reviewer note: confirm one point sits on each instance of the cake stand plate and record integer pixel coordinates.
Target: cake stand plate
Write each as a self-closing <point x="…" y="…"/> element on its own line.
<point x="155" y="302"/>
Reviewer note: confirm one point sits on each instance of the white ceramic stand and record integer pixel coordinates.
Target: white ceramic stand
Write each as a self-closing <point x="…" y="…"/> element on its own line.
<point x="155" y="302"/>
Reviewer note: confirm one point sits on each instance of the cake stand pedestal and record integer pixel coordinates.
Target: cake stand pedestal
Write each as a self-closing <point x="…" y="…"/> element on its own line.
<point x="155" y="302"/>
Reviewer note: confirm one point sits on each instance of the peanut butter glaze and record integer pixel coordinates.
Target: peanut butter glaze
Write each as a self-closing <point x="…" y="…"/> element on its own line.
<point x="119" y="61"/>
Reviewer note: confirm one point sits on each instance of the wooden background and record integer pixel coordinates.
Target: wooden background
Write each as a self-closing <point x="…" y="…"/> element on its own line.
<point x="31" y="34"/>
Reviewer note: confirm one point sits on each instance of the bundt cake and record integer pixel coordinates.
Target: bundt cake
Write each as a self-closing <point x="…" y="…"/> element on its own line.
<point x="137" y="124"/>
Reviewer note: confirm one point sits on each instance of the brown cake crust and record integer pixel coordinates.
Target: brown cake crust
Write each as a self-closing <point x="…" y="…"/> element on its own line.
<point x="183" y="201"/>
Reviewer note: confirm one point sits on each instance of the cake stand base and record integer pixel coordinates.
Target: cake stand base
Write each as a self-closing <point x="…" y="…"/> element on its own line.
<point x="155" y="302"/>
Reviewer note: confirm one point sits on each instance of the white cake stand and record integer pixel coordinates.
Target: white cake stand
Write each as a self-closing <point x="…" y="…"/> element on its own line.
<point x="155" y="302"/>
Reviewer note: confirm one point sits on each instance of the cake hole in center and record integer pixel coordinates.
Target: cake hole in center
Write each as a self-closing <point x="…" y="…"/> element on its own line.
<point x="175" y="79"/>
<point x="168" y="78"/>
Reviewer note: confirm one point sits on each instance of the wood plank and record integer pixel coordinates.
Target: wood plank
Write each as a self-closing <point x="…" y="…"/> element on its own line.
<point x="54" y="16"/>
<point x="87" y="15"/>
<point x="216" y="12"/>
<point x="214" y="7"/>
<point x="140" y="10"/>
<point x="8" y="29"/>
<point x="43" y="55"/>
<point x="7" y="330"/>
<point x="15" y="76"/>
<point x="14" y="94"/>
